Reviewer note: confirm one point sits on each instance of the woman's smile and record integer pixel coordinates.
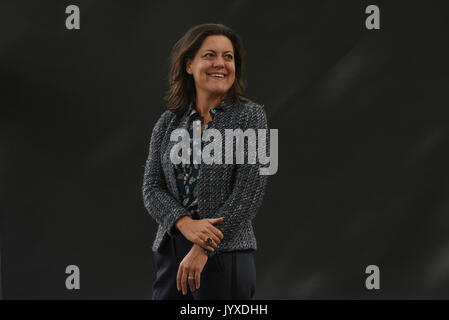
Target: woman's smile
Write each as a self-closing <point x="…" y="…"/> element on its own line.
<point x="217" y="76"/>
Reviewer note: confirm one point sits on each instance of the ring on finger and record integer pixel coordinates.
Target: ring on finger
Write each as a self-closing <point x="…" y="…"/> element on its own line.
<point x="208" y="241"/>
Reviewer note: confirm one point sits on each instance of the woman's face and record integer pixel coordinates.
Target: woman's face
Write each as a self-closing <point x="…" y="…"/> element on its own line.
<point x="213" y="67"/>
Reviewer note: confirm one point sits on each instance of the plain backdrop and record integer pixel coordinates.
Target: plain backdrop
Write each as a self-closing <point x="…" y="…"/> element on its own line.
<point x="363" y="144"/>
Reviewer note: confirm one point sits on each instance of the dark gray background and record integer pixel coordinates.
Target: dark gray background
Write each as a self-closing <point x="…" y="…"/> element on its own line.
<point x="363" y="143"/>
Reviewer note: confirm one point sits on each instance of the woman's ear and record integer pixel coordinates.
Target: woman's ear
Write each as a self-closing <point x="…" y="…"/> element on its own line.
<point x="188" y="66"/>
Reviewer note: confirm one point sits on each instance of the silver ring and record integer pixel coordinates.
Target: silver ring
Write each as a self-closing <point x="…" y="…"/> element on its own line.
<point x="190" y="278"/>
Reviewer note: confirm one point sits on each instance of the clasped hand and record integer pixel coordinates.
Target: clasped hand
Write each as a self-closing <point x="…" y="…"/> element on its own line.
<point x="204" y="235"/>
<point x="201" y="232"/>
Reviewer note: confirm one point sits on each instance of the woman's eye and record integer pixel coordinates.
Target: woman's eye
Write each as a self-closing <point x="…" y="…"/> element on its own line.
<point x="208" y="55"/>
<point x="229" y="56"/>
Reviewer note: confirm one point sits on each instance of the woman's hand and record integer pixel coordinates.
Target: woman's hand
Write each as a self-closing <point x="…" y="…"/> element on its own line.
<point x="190" y="268"/>
<point x="201" y="232"/>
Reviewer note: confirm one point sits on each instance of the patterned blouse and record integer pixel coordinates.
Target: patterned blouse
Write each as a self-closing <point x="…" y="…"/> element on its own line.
<point x="187" y="175"/>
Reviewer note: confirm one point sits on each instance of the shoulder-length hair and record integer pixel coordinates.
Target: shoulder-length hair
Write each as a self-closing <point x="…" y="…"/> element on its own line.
<point x="181" y="84"/>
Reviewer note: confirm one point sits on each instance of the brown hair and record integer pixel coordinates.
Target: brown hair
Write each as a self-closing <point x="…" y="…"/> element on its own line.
<point x="181" y="84"/>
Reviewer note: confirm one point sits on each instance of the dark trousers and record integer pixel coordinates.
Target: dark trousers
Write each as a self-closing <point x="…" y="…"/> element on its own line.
<point x="228" y="275"/>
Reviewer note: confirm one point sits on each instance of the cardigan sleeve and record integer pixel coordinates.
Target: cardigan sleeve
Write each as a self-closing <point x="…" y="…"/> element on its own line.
<point x="161" y="205"/>
<point x="249" y="188"/>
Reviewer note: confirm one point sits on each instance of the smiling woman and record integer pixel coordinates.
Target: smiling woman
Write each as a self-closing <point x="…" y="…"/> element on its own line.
<point x="205" y="50"/>
<point x="205" y="239"/>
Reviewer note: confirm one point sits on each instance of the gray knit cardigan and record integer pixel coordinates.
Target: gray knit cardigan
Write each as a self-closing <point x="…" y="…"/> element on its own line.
<point x="233" y="191"/>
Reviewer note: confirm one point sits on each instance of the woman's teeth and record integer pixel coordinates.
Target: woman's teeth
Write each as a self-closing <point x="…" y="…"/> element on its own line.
<point x="217" y="75"/>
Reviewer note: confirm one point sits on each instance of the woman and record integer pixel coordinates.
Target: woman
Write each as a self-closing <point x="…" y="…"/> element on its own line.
<point x="205" y="237"/>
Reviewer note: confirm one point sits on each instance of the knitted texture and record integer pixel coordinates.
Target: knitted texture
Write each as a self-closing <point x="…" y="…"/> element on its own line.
<point x="232" y="191"/>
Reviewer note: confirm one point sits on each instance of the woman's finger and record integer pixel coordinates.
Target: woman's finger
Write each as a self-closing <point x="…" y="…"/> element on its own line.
<point x="207" y="242"/>
<point x="184" y="282"/>
<point x="215" y="220"/>
<point x="209" y="233"/>
<point x="191" y="281"/>
<point x="178" y="279"/>
<point x="214" y="238"/>
<point x="209" y="248"/>
<point x="197" y="279"/>
<point x="216" y="232"/>
<point x="201" y="241"/>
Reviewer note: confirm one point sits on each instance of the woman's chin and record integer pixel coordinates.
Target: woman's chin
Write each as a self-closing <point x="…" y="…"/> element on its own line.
<point x="218" y="90"/>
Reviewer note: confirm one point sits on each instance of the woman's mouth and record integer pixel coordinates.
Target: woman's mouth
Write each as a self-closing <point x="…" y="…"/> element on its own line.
<point x="217" y="75"/>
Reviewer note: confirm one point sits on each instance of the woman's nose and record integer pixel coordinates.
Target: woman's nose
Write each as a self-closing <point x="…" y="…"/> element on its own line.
<point x="219" y="62"/>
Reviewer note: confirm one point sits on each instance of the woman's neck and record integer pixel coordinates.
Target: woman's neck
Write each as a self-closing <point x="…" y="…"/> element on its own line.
<point x="206" y="102"/>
